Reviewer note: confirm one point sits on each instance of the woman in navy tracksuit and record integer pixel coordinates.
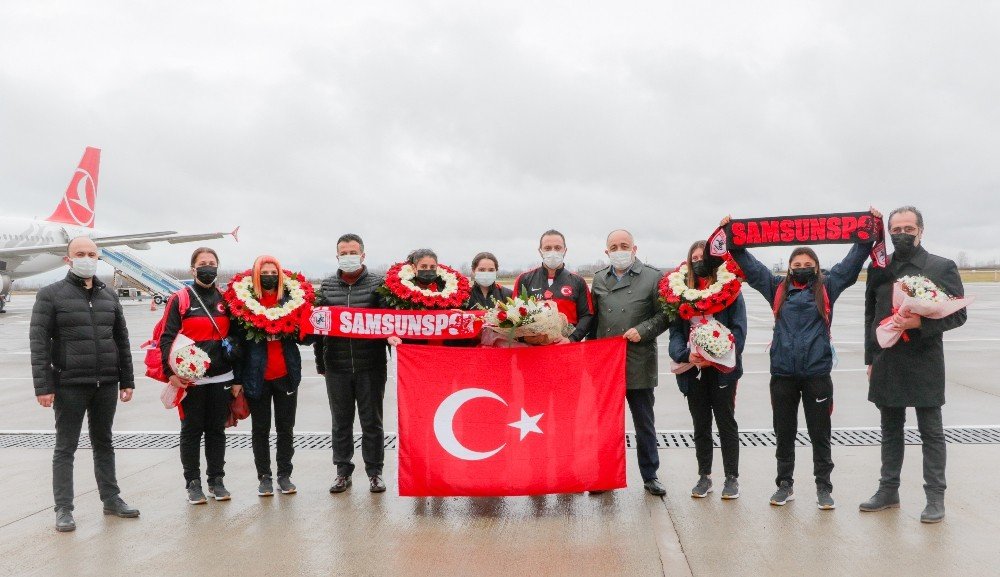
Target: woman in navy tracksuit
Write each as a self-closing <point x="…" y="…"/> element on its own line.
<point x="707" y="389"/>
<point x="802" y="355"/>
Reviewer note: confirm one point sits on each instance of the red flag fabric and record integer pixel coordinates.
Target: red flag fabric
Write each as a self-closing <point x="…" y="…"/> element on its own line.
<point x="511" y="421"/>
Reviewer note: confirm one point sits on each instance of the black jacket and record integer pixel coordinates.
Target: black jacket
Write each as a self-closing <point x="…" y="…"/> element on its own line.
<point x="479" y="301"/>
<point x="569" y="291"/>
<point x="196" y="325"/>
<point x="342" y="354"/>
<point x="909" y="374"/>
<point x="78" y="337"/>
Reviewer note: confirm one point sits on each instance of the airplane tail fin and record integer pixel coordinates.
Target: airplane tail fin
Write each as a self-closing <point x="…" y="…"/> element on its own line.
<point x="78" y="205"/>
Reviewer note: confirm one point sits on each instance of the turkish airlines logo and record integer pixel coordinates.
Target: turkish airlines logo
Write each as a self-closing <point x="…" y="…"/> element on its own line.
<point x="444" y="424"/>
<point x="81" y="197"/>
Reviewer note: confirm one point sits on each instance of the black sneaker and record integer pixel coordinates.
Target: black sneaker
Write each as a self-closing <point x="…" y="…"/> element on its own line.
<point x="655" y="487"/>
<point x="119" y="508"/>
<point x="882" y="499"/>
<point x="377" y="484"/>
<point x="217" y="490"/>
<point x="285" y="485"/>
<point x="340" y="484"/>
<point x="64" y="521"/>
<point x="731" y="490"/>
<point x="195" y="495"/>
<point x="933" y="512"/>
<point x="824" y="500"/>
<point x="702" y="488"/>
<point x="783" y="495"/>
<point x="265" y="488"/>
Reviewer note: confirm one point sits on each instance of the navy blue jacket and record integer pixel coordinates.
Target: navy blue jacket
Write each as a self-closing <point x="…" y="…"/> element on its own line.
<point x="734" y="318"/>
<point x="248" y="370"/>
<point x="801" y="346"/>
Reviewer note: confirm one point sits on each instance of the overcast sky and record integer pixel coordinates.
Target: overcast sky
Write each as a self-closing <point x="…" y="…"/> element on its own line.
<point x="466" y="126"/>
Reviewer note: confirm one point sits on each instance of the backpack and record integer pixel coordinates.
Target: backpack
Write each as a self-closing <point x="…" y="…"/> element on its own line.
<point x="154" y="357"/>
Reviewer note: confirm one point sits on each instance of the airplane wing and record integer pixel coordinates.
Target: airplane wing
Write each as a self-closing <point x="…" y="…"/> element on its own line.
<point x="133" y="240"/>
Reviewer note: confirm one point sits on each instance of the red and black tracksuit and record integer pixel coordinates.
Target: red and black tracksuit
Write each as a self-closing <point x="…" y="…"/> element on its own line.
<point x="569" y="291"/>
<point x="206" y="406"/>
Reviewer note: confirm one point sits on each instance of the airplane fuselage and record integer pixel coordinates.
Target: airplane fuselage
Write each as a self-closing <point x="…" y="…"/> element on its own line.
<point x="27" y="233"/>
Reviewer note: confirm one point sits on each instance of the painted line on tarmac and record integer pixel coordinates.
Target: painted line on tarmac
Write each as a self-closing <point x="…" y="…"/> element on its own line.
<point x="673" y="560"/>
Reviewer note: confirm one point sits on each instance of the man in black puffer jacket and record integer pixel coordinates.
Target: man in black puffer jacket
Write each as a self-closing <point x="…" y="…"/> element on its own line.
<point x="355" y="369"/>
<point x="80" y="359"/>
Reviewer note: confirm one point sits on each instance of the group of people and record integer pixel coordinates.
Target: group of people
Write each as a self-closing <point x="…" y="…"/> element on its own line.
<point x="82" y="365"/>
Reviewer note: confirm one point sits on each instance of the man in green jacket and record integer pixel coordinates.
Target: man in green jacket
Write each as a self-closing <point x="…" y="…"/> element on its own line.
<point x="627" y="306"/>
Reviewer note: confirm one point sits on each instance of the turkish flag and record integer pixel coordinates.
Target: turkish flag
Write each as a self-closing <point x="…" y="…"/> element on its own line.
<point x="511" y="421"/>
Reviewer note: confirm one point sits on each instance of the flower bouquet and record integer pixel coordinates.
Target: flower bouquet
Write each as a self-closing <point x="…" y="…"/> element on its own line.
<point x="680" y="300"/>
<point x="402" y="292"/>
<point x="525" y="316"/>
<point x="279" y="321"/>
<point x="189" y="363"/>
<point x="714" y="342"/>
<point x="920" y="296"/>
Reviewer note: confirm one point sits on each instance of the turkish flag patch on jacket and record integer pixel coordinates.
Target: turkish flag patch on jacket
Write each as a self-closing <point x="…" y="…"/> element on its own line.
<point x="511" y="421"/>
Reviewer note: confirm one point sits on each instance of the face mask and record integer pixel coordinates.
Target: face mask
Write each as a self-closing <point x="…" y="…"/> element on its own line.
<point x="269" y="282"/>
<point x="84" y="267"/>
<point x="349" y="262"/>
<point x="803" y="275"/>
<point x="427" y="275"/>
<point x="486" y="279"/>
<point x="621" y="259"/>
<point x="700" y="268"/>
<point x="553" y="259"/>
<point x="206" y="274"/>
<point x="903" y="243"/>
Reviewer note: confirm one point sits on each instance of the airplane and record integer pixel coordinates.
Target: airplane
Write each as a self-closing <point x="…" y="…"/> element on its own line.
<point x="30" y="247"/>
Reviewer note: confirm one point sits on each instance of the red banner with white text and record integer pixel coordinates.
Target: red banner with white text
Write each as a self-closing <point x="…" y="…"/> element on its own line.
<point x="511" y="421"/>
<point x="363" y="323"/>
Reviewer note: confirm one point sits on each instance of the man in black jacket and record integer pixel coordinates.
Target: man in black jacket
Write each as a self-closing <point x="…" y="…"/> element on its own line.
<point x="81" y="364"/>
<point x="911" y="372"/>
<point x="355" y="369"/>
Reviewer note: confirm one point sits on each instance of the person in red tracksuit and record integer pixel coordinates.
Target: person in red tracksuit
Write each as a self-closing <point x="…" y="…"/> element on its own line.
<point x="552" y="281"/>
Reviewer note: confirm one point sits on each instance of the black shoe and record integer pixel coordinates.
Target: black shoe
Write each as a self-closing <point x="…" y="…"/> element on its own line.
<point x="119" y="508"/>
<point x="217" y="490"/>
<point x="64" y="521"/>
<point x="783" y="495"/>
<point x="377" y="484"/>
<point x="599" y="492"/>
<point x="655" y="487"/>
<point x="285" y="485"/>
<point x="195" y="494"/>
<point x="882" y="499"/>
<point x="340" y="484"/>
<point x="702" y="488"/>
<point x="933" y="512"/>
<point x="265" y="488"/>
<point x="824" y="500"/>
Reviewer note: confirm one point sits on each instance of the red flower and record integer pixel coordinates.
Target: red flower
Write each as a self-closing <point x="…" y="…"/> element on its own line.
<point x="523" y="311"/>
<point x="686" y="311"/>
<point x="715" y="334"/>
<point x="502" y="316"/>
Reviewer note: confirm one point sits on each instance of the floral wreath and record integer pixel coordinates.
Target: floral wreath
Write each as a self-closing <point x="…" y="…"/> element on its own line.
<point x="281" y="320"/>
<point x="401" y="292"/>
<point x="680" y="300"/>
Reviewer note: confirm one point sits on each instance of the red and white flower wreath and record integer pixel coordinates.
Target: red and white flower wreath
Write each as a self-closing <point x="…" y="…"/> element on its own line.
<point x="401" y="291"/>
<point x="260" y="321"/>
<point x="678" y="299"/>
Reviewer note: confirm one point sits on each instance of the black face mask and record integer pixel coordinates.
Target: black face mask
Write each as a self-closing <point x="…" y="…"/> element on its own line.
<point x="700" y="268"/>
<point x="206" y="274"/>
<point x="269" y="282"/>
<point x="903" y="244"/>
<point x="426" y="276"/>
<point x="803" y="275"/>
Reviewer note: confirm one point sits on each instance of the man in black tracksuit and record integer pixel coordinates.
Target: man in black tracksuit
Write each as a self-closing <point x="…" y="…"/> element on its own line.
<point x="552" y="281"/>
<point x="355" y="369"/>
<point x="81" y="364"/>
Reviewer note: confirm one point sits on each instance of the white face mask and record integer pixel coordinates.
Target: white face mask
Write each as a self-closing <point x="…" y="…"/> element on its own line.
<point x="485" y="279"/>
<point x="553" y="259"/>
<point x="621" y="259"/>
<point x="84" y="267"/>
<point x="349" y="262"/>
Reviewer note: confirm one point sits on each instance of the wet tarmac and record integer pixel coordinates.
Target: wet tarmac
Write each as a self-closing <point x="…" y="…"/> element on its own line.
<point x="621" y="533"/>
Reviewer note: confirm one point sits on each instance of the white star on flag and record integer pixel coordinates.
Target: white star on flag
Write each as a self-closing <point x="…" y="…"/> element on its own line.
<point x="527" y="424"/>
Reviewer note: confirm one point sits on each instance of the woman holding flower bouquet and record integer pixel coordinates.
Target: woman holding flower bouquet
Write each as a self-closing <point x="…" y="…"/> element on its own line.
<point x="802" y="354"/>
<point x="710" y="387"/>
<point x="422" y="283"/>
<point x="268" y="305"/>
<point x="206" y="403"/>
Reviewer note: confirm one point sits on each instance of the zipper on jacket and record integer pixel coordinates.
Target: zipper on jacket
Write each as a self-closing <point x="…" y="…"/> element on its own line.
<point x="93" y="325"/>
<point x="350" y="342"/>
